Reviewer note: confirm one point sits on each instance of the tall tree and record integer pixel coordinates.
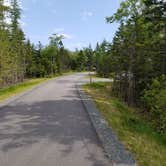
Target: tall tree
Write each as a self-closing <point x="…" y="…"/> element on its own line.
<point x="4" y="45"/>
<point x="138" y="56"/>
<point x="17" y="43"/>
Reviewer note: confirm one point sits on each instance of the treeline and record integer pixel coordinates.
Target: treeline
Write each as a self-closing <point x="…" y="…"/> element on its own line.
<point x="13" y="48"/>
<point x="20" y="59"/>
<point x="83" y="60"/>
<point x="46" y="61"/>
<point x="136" y="58"/>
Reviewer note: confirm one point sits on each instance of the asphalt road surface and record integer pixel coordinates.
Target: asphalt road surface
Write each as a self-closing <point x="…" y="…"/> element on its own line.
<point x="50" y="127"/>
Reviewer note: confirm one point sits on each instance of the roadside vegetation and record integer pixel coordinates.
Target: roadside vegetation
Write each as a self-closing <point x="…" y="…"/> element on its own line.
<point x="13" y="90"/>
<point x="133" y="128"/>
<point x="20" y="59"/>
<point x="5" y="93"/>
<point x="135" y="59"/>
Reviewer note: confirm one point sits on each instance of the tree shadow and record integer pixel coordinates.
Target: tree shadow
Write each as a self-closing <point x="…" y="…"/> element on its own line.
<point x="25" y="124"/>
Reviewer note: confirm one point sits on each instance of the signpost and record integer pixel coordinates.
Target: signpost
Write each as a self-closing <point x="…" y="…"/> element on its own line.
<point x="90" y="77"/>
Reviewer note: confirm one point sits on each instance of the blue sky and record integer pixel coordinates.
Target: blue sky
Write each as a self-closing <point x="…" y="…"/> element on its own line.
<point x="81" y="21"/>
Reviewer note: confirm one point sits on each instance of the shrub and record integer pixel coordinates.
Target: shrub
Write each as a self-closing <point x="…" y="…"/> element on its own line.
<point x="154" y="99"/>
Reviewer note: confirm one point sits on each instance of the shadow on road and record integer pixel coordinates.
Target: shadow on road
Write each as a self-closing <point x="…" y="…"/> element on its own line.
<point x="25" y="124"/>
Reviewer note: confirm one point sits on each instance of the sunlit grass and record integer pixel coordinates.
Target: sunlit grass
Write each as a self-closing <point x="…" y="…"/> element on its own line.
<point x="8" y="92"/>
<point x="18" y="88"/>
<point x="138" y="136"/>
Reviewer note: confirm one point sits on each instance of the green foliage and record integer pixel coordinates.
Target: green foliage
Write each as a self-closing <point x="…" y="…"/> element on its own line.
<point x="138" y="53"/>
<point x="82" y="60"/>
<point x="154" y="99"/>
<point x="133" y="130"/>
<point x="20" y="59"/>
<point x="137" y="56"/>
<point x="49" y="60"/>
<point x="103" y="59"/>
<point x="12" y="53"/>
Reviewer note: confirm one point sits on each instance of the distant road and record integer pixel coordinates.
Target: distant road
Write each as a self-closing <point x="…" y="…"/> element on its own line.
<point x="50" y="127"/>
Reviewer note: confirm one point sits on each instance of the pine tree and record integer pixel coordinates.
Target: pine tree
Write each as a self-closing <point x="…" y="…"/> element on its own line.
<point x="4" y="45"/>
<point x="17" y="43"/>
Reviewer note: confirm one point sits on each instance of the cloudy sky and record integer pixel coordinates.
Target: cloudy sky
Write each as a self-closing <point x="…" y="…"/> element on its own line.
<point x="80" y="21"/>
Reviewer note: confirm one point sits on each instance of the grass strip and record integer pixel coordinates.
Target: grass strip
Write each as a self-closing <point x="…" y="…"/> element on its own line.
<point x="138" y="135"/>
<point x="13" y="90"/>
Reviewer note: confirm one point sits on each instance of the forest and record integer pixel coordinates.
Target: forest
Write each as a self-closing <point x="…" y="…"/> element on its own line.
<point x="135" y="59"/>
<point x="20" y="59"/>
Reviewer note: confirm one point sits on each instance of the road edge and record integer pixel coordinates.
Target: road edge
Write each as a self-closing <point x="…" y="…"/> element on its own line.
<point x="114" y="149"/>
<point x="14" y="98"/>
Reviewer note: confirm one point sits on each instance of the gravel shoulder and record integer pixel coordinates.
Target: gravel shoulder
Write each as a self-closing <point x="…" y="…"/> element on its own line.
<point x="113" y="147"/>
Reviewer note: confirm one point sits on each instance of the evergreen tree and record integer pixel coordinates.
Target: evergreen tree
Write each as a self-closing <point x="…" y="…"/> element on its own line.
<point x="5" y="64"/>
<point x="17" y="43"/>
<point x="138" y="55"/>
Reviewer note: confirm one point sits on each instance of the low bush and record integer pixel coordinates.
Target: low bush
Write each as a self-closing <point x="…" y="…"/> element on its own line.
<point x="154" y="99"/>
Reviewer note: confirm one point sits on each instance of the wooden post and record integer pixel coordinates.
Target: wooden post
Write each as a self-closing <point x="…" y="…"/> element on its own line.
<point x="90" y="77"/>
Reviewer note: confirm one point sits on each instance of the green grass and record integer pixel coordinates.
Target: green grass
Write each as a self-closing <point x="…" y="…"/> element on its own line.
<point x="18" y="88"/>
<point x="138" y="135"/>
<point x="8" y="92"/>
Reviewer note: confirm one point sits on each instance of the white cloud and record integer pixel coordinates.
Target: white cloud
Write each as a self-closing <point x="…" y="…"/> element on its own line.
<point x="61" y="31"/>
<point x="86" y="14"/>
<point x="58" y="30"/>
<point x="66" y="36"/>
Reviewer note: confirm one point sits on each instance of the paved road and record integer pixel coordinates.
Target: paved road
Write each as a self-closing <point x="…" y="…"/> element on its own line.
<point x="49" y="127"/>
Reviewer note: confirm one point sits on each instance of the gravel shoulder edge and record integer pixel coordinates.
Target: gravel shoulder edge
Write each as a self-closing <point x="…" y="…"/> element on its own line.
<point x="114" y="149"/>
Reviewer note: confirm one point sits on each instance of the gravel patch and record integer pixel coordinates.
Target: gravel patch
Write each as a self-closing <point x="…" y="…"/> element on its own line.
<point x="112" y="146"/>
